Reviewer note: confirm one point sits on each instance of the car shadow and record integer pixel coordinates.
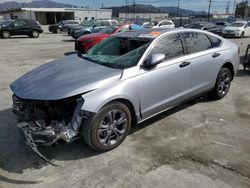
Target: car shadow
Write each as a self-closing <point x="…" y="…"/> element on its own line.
<point x="16" y="156"/>
<point x="70" y="53"/>
<point x="69" y="40"/>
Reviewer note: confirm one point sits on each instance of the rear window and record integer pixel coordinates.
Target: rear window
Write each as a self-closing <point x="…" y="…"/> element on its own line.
<point x="215" y="41"/>
<point x="196" y="42"/>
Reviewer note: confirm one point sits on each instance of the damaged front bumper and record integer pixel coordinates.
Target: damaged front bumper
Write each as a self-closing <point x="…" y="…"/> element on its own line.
<point x="37" y="134"/>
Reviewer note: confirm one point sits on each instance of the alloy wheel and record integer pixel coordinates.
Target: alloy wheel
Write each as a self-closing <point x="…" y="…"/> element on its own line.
<point x="112" y="127"/>
<point x="224" y="83"/>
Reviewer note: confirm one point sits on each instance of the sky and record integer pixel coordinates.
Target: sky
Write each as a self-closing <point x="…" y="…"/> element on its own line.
<point x="198" y="5"/>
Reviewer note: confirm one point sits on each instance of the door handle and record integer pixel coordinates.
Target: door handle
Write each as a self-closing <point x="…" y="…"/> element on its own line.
<point x="216" y="55"/>
<point x="184" y="64"/>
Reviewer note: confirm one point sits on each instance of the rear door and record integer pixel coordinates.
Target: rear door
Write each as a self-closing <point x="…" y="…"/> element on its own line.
<point x="21" y="27"/>
<point x="205" y="59"/>
<point x="169" y="82"/>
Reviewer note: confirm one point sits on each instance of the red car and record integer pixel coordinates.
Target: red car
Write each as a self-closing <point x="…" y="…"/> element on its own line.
<point x="84" y="43"/>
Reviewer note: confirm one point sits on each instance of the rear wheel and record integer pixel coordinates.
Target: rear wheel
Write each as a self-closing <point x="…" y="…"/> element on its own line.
<point x="5" y="34"/>
<point x="34" y="34"/>
<point x="58" y="30"/>
<point x="223" y="83"/>
<point x="108" y="128"/>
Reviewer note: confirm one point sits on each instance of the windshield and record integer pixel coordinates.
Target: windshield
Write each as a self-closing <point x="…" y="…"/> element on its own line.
<point x="87" y="23"/>
<point x="118" y="52"/>
<point x="109" y="30"/>
<point x="195" y="26"/>
<point x="237" y="24"/>
<point x="151" y="24"/>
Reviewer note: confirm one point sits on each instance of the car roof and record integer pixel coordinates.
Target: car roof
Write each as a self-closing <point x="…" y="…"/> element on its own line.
<point x="153" y="33"/>
<point x="145" y="33"/>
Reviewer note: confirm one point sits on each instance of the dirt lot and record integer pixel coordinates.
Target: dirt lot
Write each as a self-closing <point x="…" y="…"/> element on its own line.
<point x="206" y="144"/>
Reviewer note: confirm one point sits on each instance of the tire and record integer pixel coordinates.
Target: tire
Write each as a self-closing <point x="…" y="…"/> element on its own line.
<point x="242" y="34"/>
<point x="99" y="132"/>
<point x="58" y="30"/>
<point x="223" y="83"/>
<point x="5" y="34"/>
<point x="34" y="34"/>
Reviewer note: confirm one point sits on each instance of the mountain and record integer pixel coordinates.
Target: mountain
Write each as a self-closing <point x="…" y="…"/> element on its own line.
<point x="33" y="4"/>
<point x="141" y="8"/>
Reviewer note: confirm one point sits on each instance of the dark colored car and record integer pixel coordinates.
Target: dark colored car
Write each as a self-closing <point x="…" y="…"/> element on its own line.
<point x="85" y="42"/>
<point x="62" y="26"/>
<point x="21" y="27"/>
<point x="91" y="27"/>
<point x="208" y="26"/>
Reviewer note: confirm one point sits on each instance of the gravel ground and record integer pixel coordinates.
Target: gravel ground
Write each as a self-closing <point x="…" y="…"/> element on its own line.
<point x="206" y="144"/>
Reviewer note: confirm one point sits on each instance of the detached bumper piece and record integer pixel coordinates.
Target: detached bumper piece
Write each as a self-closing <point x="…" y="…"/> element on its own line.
<point x="30" y="141"/>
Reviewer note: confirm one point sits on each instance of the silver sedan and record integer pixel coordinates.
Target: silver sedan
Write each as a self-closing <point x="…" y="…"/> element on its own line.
<point x="120" y="82"/>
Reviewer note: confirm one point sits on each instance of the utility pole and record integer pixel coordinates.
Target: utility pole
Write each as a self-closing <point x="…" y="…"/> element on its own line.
<point x="134" y="4"/>
<point x="209" y="7"/>
<point x="227" y="8"/>
<point x="234" y="8"/>
<point x="126" y="5"/>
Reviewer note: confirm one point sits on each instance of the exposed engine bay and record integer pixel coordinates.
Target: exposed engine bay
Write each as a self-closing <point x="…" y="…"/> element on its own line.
<point x="46" y="122"/>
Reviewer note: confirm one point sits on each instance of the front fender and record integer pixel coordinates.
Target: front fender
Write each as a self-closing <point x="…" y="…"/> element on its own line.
<point x="123" y="89"/>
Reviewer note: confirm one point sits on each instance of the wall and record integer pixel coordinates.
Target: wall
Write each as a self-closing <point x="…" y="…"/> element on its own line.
<point x="92" y="14"/>
<point x="23" y="14"/>
<point x="151" y="16"/>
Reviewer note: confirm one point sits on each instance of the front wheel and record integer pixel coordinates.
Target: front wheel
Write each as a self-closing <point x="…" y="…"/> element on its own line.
<point x="108" y="128"/>
<point x="223" y="83"/>
<point x="34" y="34"/>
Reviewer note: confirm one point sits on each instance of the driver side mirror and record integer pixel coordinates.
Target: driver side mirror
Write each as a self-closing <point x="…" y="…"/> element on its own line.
<point x="153" y="60"/>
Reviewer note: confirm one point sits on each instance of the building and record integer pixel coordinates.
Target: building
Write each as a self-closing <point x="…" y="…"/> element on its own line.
<point x="146" y="16"/>
<point x="54" y="15"/>
<point x="222" y="16"/>
<point x="242" y="10"/>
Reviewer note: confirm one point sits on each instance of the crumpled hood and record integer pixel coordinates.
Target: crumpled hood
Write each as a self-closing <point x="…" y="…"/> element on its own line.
<point x="63" y="78"/>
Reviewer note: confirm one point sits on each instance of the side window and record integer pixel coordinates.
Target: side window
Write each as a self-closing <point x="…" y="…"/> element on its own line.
<point x="98" y="24"/>
<point x="170" y="45"/>
<point x="105" y="23"/>
<point x="215" y="41"/>
<point x="196" y="42"/>
<point x="248" y="24"/>
<point x="19" y="23"/>
<point x="113" y="22"/>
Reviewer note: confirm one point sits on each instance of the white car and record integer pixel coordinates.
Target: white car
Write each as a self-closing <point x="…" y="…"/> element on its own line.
<point x="157" y="24"/>
<point x="237" y="29"/>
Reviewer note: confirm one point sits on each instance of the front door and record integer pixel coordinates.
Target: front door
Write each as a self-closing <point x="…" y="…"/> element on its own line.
<point x="168" y="83"/>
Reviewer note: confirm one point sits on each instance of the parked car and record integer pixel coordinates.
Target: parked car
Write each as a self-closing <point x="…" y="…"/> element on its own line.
<point x="94" y="27"/>
<point x="121" y="81"/>
<point x="85" y="42"/>
<point x="162" y="23"/>
<point x="237" y="29"/>
<point x="211" y="27"/>
<point x="20" y="27"/>
<point x="62" y="26"/>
